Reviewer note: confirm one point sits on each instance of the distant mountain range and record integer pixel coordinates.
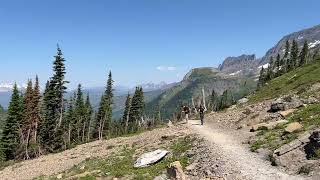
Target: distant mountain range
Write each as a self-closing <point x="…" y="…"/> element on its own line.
<point x="8" y="86"/>
<point x="239" y="74"/>
<point x="95" y="93"/>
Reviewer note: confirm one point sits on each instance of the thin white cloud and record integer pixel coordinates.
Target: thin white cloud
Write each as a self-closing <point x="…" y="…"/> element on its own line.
<point x="166" y="68"/>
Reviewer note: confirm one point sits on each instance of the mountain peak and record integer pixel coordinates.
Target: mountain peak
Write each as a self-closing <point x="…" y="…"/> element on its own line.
<point x="239" y="63"/>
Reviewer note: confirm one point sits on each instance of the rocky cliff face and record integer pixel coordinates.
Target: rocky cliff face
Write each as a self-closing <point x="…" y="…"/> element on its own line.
<point x="311" y="35"/>
<point x="239" y="65"/>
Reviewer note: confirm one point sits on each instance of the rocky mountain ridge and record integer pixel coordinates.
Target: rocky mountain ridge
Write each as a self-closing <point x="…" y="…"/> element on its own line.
<point x="311" y="35"/>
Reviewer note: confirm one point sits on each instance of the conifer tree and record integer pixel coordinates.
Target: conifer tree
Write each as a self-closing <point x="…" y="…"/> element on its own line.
<point x="99" y="118"/>
<point x="36" y="109"/>
<point x="10" y="134"/>
<point x="261" y="78"/>
<point x="227" y="99"/>
<point x="125" y="117"/>
<point x="104" y="115"/>
<point x="157" y="116"/>
<point x="294" y="55"/>
<point x="109" y="97"/>
<point x="60" y="84"/>
<point x="80" y="115"/>
<point x="304" y="54"/>
<point x="287" y="50"/>
<point x="51" y="130"/>
<point x="136" y="110"/>
<point x="69" y="123"/>
<point x="88" y="117"/>
<point x="214" y="100"/>
<point x="269" y="74"/>
<point x="48" y="126"/>
<point x="278" y="63"/>
<point x="26" y="124"/>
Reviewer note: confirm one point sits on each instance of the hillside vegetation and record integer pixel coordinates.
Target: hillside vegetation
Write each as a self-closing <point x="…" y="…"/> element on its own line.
<point x="191" y="87"/>
<point x="296" y="81"/>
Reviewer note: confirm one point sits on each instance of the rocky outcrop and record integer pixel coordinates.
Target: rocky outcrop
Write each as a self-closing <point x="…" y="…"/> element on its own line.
<point x="312" y="35"/>
<point x="239" y="64"/>
<point x="292" y="155"/>
<point x="312" y="149"/>
<point x="287" y="112"/>
<point x="300" y="155"/>
<point x="175" y="171"/>
<point x="270" y="125"/>
<point x="286" y="103"/>
<point x="292" y="127"/>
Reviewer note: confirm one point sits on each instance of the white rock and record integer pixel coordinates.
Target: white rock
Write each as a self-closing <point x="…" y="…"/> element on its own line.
<point x="150" y="158"/>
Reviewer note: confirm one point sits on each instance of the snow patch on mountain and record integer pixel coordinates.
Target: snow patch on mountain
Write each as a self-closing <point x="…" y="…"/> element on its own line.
<point x="314" y="44"/>
<point x="264" y="66"/>
<point x="235" y="73"/>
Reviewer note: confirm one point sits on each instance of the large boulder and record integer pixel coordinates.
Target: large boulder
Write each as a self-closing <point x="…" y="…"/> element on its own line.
<point x="270" y="125"/>
<point x="292" y="155"/>
<point x="313" y="146"/>
<point x="283" y="104"/>
<point x="277" y="105"/>
<point x="287" y="112"/>
<point x="175" y="171"/>
<point x="243" y="100"/>
<point x="150" y="158"/>
<point x="293" y="102"/>
<point x="292" y="127"/>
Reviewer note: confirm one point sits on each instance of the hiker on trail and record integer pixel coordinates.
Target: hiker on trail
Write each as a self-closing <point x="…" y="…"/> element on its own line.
<point x="186" y="111"/>
<point x="202" y="110"/>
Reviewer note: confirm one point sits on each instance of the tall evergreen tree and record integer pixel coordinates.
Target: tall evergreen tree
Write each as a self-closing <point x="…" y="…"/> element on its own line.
<point x="294" y="55"/>
<point x="304" y="54"/>
<point x="26" y="124"/>
<point x="136" y="110"/>
<point x="261" y="78"/>
<point x="10" y="135"/>
<point x="36" y="109"/>
<point x="125" y="117"/>
<point x="80" y="115"/>
<point x="227" y="99"/>
<point x="287" y="50"/>
<point x="104" y="115"/>
<point x="214" y="101"/>
<point x="88" y="117"/>
<point x="51" y="131"/>
<point x="60" y="84"/>
<point x="269" y="73"/>
<point x="70" y="135"/>
<point x="48" y="126"/>
<point x="278" y="63"/>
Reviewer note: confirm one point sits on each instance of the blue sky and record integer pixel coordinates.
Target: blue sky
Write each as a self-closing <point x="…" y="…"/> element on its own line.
<point x="140" y="40"/>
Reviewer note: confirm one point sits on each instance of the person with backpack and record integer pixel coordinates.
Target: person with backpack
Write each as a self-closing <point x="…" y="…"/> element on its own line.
<point x="202" y="110"/>
<point x="186" y="111"/>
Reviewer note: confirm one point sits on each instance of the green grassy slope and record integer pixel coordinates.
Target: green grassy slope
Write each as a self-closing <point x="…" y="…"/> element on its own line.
<point x="296" y="81"/>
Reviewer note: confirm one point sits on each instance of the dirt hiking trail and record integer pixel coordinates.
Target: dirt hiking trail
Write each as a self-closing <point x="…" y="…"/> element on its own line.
<point x="236" y="157"/>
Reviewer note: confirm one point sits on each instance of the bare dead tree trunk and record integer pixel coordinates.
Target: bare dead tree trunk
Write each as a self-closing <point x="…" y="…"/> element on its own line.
<point x="204" y="99"/>
<point x="83" y="131"/>
<point x="100" y="128"/>
<point x="89" y="129"/>
<point x="69" y="134"/>
<point x="27" y="144"/>
<point x="35" y="132"/>
<point x="103" y="124"/>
